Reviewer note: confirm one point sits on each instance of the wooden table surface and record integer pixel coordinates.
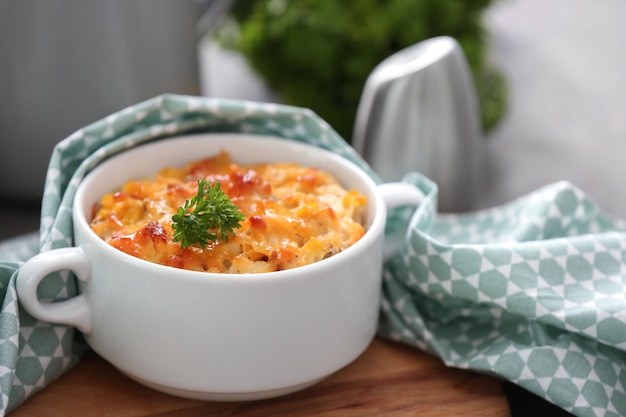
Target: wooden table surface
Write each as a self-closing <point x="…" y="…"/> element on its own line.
<point x="388" y="379"/>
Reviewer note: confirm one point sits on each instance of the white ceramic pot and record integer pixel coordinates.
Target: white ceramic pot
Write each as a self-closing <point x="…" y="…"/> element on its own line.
<point x="219" y="336"/>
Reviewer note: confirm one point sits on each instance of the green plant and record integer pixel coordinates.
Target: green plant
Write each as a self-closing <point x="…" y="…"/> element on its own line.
<point x="319" y="53"/>
<point x="209" y="210"/>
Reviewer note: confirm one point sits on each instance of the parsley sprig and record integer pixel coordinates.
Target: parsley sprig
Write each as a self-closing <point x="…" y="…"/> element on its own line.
<point x="208" y="214"/>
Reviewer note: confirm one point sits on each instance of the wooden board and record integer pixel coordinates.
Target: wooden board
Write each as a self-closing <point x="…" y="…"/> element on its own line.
<point x="388" y="379"/>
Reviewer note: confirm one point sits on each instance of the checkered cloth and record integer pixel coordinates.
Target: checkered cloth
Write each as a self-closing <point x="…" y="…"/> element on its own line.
<point x="533" y="292"/>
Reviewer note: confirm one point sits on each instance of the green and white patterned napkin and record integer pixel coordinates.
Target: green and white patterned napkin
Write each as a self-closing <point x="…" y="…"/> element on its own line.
<point x="532" y="292"/>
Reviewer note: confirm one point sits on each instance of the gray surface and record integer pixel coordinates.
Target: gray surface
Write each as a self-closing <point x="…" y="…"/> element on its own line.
<point x="566" y="65"/>
<point x="65" y="64"/>
<point x="17" y="218"/>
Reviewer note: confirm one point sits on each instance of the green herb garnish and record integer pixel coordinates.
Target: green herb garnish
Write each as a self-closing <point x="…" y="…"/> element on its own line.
<point x="207" y="214"/>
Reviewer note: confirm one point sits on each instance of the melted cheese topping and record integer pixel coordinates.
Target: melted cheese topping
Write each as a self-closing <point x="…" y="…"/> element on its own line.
<point x="294" y="216"/>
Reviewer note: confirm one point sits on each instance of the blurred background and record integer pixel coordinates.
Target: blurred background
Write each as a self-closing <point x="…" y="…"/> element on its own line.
<point x="67" y="63"/>
<point x="550" y="77"/>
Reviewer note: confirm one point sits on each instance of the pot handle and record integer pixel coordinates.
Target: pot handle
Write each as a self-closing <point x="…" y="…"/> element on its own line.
<point x="398" y="194"/>
<point x="74" y="311"/>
